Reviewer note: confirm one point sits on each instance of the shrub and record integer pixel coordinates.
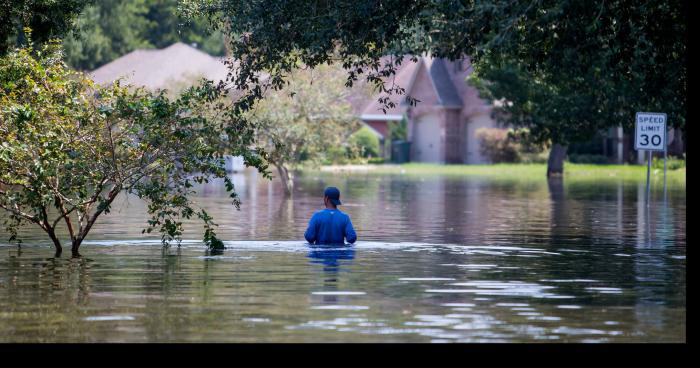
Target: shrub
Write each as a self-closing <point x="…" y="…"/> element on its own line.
<point x="497" y="145"/>
<point x="366" y="141"/>
<point x="534" y="157"/>
<point x="398" y="131"/>
<point x="509" y="145"/>
<point x="672" y="163"/>
<point x="336" y="155"/>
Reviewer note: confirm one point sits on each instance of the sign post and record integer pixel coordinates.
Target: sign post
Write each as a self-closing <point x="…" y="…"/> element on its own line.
<point x="650" y="135"/>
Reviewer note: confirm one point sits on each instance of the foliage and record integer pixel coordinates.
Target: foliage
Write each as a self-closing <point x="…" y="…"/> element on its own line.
<point x="310" y="123"/>
<point x="496" y="145"/>
<point x="508" y="145"/>
<point x="398" y="131"/>
<point x="570" y="69"/>
<point x="47" y="18"/>
<point x="672" y="163"/>
<point x="565" y="69"/>
<point x="111" y="28"/>
<point x="70" y="147"/>
<point x="336" y="155"/>
<point x="366" y="142"/>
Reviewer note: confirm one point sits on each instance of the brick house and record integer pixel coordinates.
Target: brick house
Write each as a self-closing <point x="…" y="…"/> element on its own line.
<point x="442" y="126"/>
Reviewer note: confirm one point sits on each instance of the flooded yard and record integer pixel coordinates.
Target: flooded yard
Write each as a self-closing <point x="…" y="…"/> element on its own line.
<point x="438" y="259"/>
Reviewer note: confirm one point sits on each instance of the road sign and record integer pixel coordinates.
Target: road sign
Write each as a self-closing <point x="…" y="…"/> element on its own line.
<point x="650" y="135"/>
<point x="650" y="131"/>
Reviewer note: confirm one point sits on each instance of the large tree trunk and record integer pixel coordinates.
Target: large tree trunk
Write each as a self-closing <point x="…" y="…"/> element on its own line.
<point x="555" y="163"/>
<point x="287" y="179"/>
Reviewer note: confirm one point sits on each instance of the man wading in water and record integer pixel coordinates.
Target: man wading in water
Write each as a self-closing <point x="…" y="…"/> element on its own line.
<point x="330" y="226"/>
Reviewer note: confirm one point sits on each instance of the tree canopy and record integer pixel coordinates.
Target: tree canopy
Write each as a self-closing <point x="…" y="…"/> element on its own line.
<point x="69" y="147"/>
<point x="569" y="69"/>
<point x="97" y="32"/>
<point x="304" y="122"/>
<point x="565" y="68"/>
<point x="47" y="18"/>
<point x="109" y="29"/>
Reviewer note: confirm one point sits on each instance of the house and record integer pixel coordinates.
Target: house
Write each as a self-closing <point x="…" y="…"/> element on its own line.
<point x="173" y="68"/>
<point x="442" y="127"/>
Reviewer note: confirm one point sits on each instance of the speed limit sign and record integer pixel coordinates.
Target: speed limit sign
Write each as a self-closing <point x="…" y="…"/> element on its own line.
<point x="650" y="131"/>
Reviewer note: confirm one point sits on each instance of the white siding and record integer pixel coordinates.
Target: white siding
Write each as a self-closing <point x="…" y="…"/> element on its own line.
<point x="474" y="155"/>
<point x="426" y="146"/>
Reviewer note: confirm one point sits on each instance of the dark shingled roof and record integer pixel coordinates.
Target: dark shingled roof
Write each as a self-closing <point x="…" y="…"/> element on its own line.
<point x="443" y="84"/>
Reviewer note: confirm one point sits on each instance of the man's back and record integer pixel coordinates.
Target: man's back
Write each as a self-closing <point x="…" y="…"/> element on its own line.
<point x="330" y="226"/>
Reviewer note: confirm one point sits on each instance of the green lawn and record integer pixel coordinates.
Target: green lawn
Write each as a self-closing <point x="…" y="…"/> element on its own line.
<point x="577" y="172"/>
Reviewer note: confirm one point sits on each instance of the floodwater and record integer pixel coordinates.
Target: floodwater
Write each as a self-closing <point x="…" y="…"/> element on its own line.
<point x="439" y="259"/>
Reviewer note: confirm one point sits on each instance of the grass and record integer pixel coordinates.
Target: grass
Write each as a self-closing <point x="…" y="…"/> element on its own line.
<point x="578" y="172"/>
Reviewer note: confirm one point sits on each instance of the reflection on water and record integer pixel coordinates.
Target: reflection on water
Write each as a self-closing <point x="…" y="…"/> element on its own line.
<point x="441" y="259"/>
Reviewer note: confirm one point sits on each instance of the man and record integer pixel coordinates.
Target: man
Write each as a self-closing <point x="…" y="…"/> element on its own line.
<point x="330" y="226"/>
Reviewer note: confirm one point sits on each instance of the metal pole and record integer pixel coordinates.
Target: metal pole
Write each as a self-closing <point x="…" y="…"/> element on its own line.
<point x="665" y="155"/>
<point x="648" y="172"/>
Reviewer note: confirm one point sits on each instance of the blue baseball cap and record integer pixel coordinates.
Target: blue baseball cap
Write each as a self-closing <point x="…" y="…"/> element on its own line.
<point x="334" y="194"/>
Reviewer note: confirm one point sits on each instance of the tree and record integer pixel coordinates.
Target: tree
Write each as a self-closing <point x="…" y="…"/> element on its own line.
<point x="105" y="31"/>
<point x="305" y="121"/>
<point x="593" y="67"/>
<point x="111" y="28"/>
<point x="47" y="18"/>
<point x="69" y="147"/>
<point x="565" y="68"/>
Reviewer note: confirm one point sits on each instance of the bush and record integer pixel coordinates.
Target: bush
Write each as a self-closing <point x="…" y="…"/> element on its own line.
<point x="336" y="155"/>
<point x="366" y="141"/>
<point x="376" y="160"/>
<point x="398" y="131"/>
<point x="672" y="163"/>
<point x="497" y="145"/>
<point x="588" y="159"/>
<point x="535" y="157"/>
<point x="508" y="145"/>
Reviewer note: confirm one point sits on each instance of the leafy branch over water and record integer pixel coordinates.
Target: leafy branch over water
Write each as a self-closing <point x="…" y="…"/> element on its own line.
<point x="70" y="147"/>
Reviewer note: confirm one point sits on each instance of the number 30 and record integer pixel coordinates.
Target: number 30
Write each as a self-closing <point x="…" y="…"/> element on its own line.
<point x="655" y="140"/>
<point x="645" y="139"/>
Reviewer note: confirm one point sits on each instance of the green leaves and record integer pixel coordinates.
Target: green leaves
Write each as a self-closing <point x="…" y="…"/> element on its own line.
<point x="566" y="68"/>
<point x="69" y="147"/>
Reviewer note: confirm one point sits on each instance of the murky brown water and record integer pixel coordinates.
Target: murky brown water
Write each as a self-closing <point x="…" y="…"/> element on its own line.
<point x="441" y="259"/>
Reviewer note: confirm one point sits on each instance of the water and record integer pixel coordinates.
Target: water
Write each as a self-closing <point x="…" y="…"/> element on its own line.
<point x="439" y="259"/>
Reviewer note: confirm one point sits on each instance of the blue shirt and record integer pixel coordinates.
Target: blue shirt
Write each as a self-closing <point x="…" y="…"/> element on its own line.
<point x="330" y="226"/>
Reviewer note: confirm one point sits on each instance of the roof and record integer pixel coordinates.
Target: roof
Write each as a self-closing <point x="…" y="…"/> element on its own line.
<point x="403" y="78"/>
<point x="162" y="68"/>
<point x="446" y="91"/>
<point x="443" y="75"/>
